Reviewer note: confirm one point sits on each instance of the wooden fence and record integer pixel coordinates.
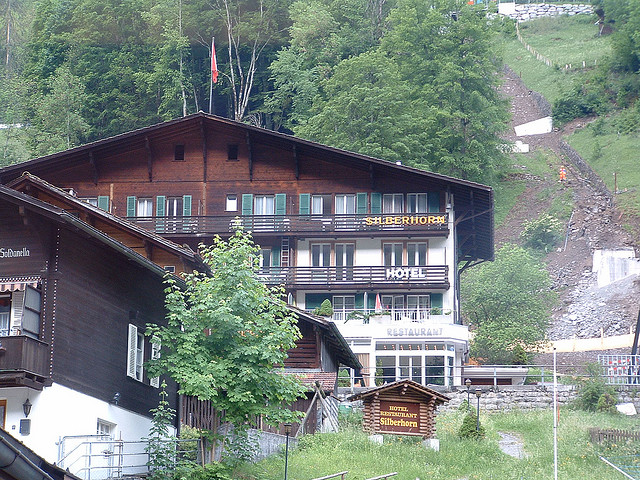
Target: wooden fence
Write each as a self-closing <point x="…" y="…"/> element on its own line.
<point x="613" y="435"/>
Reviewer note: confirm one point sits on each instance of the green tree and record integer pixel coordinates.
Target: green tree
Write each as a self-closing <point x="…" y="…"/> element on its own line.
<point x="447" y="50"/>
<point x="367" y="108"/>
<point x="507" y="303"/>
<point x="227" y="337"/>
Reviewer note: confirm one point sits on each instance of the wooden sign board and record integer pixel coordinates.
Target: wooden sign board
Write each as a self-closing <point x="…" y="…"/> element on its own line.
<point x="399" y="417"/>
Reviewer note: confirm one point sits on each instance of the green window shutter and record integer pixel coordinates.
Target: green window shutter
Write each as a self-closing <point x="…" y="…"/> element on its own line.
<point x="359" y="301"/>
<point x="247" y="204"/>
<point x="436" y="300"/>
<point x="186" y="205"/>
<point x="103" y="203"/>
<point x="275" y="257"/>
<point x="376" y="203"/>
<point x="160" y="202"/>
<point x="131" y="206"/>
<point x="371" y="301"/>
<point x="281" y="203"/>
<point x="361" y="203"/>
<point x="434" y="201"/>
<point x="305" y="203"/>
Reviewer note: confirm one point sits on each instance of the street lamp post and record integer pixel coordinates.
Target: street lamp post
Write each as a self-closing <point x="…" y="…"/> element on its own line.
<point x="287" y="432"/>
<point x="478" y="394"/>
<point x="467" y="382"/>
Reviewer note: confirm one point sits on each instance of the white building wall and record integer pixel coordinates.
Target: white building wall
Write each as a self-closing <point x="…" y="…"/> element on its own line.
<point x="58" y="411"/>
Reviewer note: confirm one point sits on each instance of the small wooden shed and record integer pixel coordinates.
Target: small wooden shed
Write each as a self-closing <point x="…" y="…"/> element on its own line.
<point x="401" y="408"/>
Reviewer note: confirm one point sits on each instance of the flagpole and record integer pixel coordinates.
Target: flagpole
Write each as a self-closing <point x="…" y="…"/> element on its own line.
<point x="555" y="417"/>
<point x="211" y="78"/>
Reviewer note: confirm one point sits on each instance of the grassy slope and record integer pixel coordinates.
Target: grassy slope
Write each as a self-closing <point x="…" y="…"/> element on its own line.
<point x="566" y="40"/>
<point x="350" y="450"/>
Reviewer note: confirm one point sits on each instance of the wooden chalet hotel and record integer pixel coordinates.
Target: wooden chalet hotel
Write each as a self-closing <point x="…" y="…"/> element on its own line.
<point x="383" y="242"/>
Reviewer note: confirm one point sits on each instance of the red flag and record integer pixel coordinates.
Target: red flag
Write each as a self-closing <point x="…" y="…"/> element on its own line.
<point x="214" y="64"/>
<point x="378" y="303"/>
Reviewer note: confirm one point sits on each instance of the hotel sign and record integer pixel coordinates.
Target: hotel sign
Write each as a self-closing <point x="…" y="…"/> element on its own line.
<point x="409" y="273"/>
<point x="399" y="417"/>
<point x="14" y="253"/>
<point x="405" y="220"/>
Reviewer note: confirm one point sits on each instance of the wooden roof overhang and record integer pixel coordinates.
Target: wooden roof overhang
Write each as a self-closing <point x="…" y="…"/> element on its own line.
<point x="473" y="202"/>
<point x="41" y="189"/>
<point x="62" y="217"/>
<point x="334" y="338"/>
<point x="402" y="386"/>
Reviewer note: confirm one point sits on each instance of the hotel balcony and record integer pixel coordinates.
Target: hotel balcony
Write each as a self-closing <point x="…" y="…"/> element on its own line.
<point x="378" y="277"/>
<point x="434" y="224"/>
<point x="24" y="362"/>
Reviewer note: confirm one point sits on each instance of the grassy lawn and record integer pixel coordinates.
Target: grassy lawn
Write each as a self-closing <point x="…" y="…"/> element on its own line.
<point x="610" y="153"/>
<point x="565" y="40"/>
<point x="350" y="450"/>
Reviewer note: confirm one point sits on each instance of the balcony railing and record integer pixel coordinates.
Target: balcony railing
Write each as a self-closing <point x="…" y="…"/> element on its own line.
<point x="432" y="276"/>
<point x="23" y="361"/>
<point x="436" y="223"/>
<point x="414" y="315"/>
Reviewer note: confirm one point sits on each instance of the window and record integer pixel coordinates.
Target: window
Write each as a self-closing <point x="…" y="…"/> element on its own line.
<point x="105" y="428"/>
<point x="265" y="258"/>
<point x="20" y="313"/>
<point x="392" y="203"/>
<point x="91" y="200"/>
<point x="320" y="204"/>
<point x="264" y="205"/>
<point x="155" y="354"/>
<point x="178" y="153"/>
<point x="135" y="357"/>
<point x="232" y="203"/>
<point x="170" y="268"/>
<point x="343" y="306"/>
<point x="411" y="368"/>
<point x="320" y="255"/>
<point x="174" y="207"/>
<point x="392" y="253"/>
<point x="232" y="152"/>
<point x="418" y="307"/>
<point x="395" y="304"/>
<point x="5" y="316"/>
<point x="144" y="207"/>
<point x="3" y="413"/>
<point x="417" y="203"/>
<point x="417" y="254"/>
<point x="345" y="204"/>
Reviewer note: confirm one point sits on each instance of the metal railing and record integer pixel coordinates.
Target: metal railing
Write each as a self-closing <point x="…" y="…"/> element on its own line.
<point x="415" y="315"/>
<point x="433" y="276"/>
<point x="620" y="369"/>
<point x="211" y="224"/>
<point x="97" y="457"/>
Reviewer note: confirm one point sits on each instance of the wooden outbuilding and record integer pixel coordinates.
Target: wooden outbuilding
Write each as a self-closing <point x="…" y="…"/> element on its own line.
<point x="401" y="408"/>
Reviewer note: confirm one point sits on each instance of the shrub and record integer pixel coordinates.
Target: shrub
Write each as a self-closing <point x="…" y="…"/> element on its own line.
<point x="542" y="233"/>
<point x="607" y="403"/>
<point x="212" y="471"/>
<point x="578" y="103"/>
<point x="469" y="428"/>
<point x="325" y="309"/>
<point x="592" y="389"/>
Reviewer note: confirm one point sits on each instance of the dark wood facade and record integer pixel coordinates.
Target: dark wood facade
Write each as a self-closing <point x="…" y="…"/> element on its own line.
<point x="92" y="288"/>
<point x="143" y="164"/>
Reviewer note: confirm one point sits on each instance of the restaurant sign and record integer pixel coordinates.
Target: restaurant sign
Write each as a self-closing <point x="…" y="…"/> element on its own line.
<point x="399" y="417"/>
<point x="405" y="220"/>
<point x="14" y="253"/>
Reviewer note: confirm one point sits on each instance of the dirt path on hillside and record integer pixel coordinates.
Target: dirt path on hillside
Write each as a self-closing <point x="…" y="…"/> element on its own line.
<point x="595" y="223"/>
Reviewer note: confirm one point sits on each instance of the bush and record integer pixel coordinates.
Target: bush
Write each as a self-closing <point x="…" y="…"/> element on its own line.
<point x="542" y="233"/>
<point x="578" y="103"/>
<point x="212" y="471"/>
<point x="325" y="309"/>
<point x="592" y="389"/>
<point x="469" y="427"/>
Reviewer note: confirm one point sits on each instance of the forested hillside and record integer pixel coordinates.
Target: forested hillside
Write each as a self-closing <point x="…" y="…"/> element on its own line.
<point x="404" y="80"/>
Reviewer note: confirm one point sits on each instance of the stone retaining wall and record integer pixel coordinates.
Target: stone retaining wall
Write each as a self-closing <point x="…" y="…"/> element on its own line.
<point x="525" y="397"/>
<point x="531" y="11"/>
<point x="586" y="170"/>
